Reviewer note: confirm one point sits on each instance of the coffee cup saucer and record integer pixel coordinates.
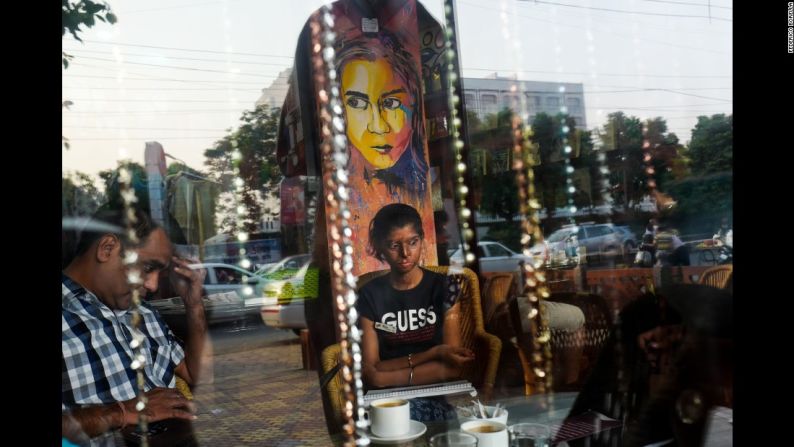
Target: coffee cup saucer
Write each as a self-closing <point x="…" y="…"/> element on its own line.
<point x="415" y="430"/>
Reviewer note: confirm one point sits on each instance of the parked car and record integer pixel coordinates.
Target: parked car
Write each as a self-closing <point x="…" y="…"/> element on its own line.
<point x="229" y="278"/>
<point x="284" y="268"/>
<point x="584" y="243"/>
<point x="292" y="279"/>
<point x="228" y="298"/>
<point x="630" y="241"/>
<point x="494" y="257"/>
<point x="286" y="286"/>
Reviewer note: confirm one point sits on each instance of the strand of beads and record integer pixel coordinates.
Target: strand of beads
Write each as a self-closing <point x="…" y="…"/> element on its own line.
<point x="453" y="98"/>
<point x="335" y="179"/>
<point x="135" y="281"/>
<point x="242" y="213"/>
<point x="533" y="274"/>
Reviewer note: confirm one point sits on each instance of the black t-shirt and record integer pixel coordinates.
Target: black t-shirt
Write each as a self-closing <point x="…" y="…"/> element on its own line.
<point x="407" y="321"/>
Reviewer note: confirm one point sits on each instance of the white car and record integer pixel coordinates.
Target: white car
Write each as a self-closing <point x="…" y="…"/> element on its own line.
<point x="494" y="257"/>
<point x="285" y="288"/>
<point x="585" y="243"/>
<point x="289" y="263"/>
<point x="228" y="298"/>
<point x="229" y="278"/>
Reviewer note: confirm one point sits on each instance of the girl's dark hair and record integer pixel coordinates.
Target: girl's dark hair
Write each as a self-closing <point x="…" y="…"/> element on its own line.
<point x="395" y="215"/>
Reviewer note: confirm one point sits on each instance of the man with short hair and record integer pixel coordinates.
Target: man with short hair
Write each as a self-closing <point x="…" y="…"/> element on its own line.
<point x="99" y="386"/>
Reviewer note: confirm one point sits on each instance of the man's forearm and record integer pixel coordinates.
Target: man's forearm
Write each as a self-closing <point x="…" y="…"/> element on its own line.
<point x="91" y="421"/>
<point x="198" y="352"/>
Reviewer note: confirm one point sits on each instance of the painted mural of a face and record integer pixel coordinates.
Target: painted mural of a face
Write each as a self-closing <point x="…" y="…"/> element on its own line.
<point x="377" y="105"/>
<point x="380" y="90"/>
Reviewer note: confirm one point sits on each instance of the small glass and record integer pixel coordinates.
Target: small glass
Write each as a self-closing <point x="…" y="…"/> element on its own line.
<point x="529" y="435"/>
<point x="453" y="439"/>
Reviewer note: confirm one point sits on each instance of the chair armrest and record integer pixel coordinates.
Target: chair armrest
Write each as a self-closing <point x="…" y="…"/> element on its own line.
<point x="184" y="388"/>
<point x="493" y="347"/>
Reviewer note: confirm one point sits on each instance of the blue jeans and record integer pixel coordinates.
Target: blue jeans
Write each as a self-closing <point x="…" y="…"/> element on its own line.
<point x="429" y="409"/>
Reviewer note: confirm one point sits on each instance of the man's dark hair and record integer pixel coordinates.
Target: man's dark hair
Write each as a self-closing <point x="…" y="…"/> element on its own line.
<point x="113" y="220"/>
<point x="395" y="215"/>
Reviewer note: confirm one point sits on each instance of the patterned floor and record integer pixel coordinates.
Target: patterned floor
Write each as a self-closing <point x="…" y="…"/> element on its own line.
<point x="261" y="397"/>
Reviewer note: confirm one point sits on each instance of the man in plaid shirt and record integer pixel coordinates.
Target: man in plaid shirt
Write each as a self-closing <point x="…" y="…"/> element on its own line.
<point x="98" y="384"/>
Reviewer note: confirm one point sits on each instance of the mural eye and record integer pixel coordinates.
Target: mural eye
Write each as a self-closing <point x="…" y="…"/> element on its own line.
<point x="357" y="103"/>
<point x="391" y="103"/>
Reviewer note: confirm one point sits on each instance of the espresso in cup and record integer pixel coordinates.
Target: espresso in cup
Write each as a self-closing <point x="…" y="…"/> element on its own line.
<point x="488" y="433"/>
<point x="396" y="403"/>
<point x="484" y="429"/>
<point x="389" y="417"/>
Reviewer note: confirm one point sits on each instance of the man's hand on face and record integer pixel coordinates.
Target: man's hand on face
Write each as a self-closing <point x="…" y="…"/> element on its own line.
<point x="191" y="283"/>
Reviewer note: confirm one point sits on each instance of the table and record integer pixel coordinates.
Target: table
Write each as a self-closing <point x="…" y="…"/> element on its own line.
<point x="520" y="409"/>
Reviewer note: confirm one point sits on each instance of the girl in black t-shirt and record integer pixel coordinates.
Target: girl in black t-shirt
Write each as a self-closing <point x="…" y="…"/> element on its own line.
<point x="411" y="329"/>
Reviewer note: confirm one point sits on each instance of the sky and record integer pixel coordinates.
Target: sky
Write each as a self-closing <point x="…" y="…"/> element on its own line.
<point x="182" y="72"/>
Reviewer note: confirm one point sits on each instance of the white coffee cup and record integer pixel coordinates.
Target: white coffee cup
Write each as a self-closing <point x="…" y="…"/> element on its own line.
<point x="389" y="417"/>
<point x="489" y="410"/>
<point x="488" y="433"/>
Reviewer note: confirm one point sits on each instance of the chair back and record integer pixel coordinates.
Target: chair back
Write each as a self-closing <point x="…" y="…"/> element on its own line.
<point x="586" y="343"/>
<point x="331" y="380"/>
<point x="590" y="341"/>
<point x="498" y="288"/>
<point x="717" y="276"/>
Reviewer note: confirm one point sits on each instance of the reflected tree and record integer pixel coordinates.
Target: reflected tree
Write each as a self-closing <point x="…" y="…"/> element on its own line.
<point x="79" y="195"/>
<point x="703" y="187"/>
<point x="139" y="183"/>
<point x="255" y="140"/>
<point x="548" y="135"/>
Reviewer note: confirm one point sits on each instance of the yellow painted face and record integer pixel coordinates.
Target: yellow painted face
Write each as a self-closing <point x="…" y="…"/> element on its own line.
<point x="378" y="111"/>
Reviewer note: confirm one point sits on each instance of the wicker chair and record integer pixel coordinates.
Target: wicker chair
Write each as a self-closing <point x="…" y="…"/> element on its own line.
<point x="498" y="288"/>
<point x="717" y="276"/>
<point x="487" y="347"/>
<point x="585" y="344"/>
<point x="331" y="382"/>
<point x="184" y="388"/>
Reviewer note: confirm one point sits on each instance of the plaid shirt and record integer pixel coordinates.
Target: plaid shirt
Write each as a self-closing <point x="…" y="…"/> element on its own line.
<point x="95" y="364"/>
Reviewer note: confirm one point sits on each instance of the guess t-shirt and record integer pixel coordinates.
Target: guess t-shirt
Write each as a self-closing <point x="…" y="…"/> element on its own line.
<point x="407" y="321"/>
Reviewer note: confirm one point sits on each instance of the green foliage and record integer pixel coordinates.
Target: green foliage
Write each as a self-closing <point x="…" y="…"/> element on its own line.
<point x="623" y="140"/>
<point x="711" y="146"/>
<point x="79" y="195"/>
<point x="83" y="13"/>
<point x="500" y="195"/>
<point x="508" y="233"/>
<point x="256" y="140"/>
<point x="75" y="15"/>
<point x="549" y="135"/>
<point x="473" y="121"/>
<point x="500" y="120"/>
<point x="702" y="180"/>
<point x="177" y="167"/>
<point x="113" y="186"/>
<point x="703" y="196"/>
